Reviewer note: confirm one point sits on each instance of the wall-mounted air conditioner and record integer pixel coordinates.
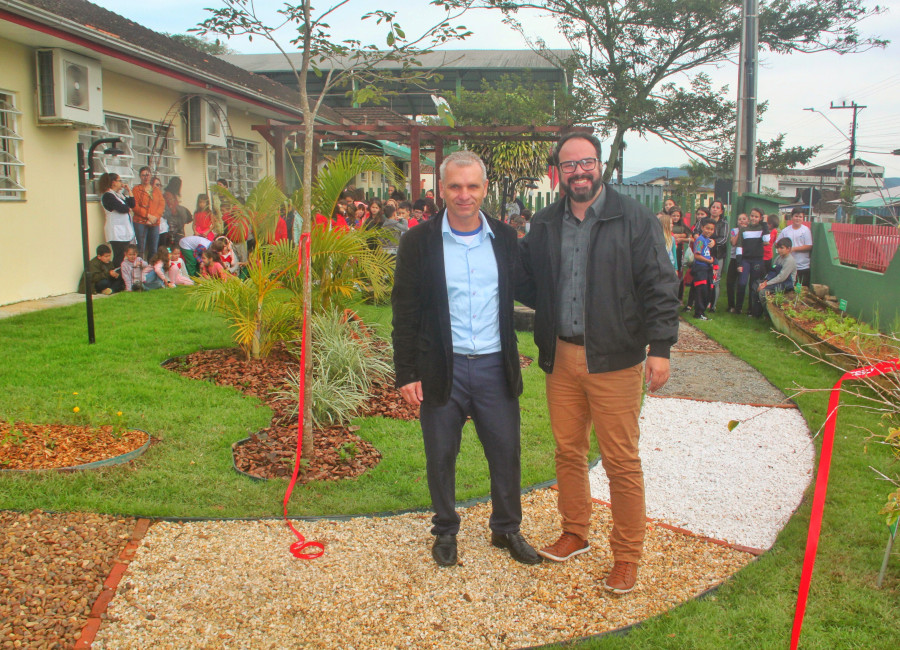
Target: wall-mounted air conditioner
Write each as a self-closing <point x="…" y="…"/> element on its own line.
<point x="69" y="88"/>
<point x="206" y="122"/>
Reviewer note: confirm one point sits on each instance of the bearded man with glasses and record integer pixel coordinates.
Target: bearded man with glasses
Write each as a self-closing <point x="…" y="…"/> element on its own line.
<point x="595" y="269"/>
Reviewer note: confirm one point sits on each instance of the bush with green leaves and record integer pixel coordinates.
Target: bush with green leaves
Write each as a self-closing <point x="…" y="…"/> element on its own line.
<point x="347" y="358"/>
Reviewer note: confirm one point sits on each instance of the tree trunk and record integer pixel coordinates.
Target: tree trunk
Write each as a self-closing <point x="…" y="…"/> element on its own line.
<point x="613" y="154"/>
<point x="309" y="120"/>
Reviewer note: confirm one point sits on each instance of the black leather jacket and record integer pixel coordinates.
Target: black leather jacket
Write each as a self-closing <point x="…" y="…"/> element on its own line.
<point x="631" y="299"/>
<point x="423" y="342"/>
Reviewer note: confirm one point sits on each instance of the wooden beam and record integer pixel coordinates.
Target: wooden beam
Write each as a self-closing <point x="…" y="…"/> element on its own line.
<point x="415" y="183"/>
<point x="280" y="153"/>
<point x="267" y="133"/>
<point x="438" y="160"/>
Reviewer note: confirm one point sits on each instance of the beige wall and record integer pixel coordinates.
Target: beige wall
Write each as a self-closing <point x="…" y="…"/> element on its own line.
<point x="42" y="234"/>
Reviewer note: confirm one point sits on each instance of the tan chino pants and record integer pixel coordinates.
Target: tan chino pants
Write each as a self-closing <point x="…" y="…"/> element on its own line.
<point x="612" y="401"/>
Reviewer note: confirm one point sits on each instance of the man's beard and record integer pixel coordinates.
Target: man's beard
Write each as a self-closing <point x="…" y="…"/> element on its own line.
<point x="582" y="196"/>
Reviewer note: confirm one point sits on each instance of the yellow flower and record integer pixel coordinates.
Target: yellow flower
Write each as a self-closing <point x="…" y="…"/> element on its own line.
<point x="74" y="393"/>
<point x="75" y="410"/>
<point x="119" y="413"/>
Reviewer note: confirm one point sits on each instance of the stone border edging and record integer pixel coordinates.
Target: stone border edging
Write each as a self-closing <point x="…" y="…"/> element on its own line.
<point x="111" y="584"/>
<point x="791" y="405"/>
<point x="97" y="464"/>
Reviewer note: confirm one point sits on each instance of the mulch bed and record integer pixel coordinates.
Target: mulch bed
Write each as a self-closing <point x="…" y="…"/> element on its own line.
<point x="52" y="446"/>
<point x="270" y="453"/>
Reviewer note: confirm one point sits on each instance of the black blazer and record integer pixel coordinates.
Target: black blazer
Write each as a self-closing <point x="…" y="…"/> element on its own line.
<point x="423" y="343"/>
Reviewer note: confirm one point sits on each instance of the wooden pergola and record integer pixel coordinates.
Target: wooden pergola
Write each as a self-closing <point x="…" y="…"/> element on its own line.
<point x="382" y="124"/>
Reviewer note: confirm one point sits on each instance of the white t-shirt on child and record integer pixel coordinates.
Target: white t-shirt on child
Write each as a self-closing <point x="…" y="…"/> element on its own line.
<point x="800" y="237"/>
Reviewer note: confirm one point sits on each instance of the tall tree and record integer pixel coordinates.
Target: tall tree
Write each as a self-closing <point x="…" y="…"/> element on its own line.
<point x="349" y="62"/>
<point x="632" y="54"/>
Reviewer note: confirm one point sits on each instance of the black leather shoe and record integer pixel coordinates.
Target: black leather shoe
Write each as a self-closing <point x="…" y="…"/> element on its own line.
<point x="444" y="550"/>
<point x="519" y="549"/>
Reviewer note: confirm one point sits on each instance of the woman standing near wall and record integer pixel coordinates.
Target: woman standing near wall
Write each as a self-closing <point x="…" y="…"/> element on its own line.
<point x="117" y="201"/>
<point x="149" y="206"/>
<point x="176" y="214"/>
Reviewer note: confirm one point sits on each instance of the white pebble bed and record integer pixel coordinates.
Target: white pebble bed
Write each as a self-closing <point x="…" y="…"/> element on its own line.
<point x="740" y="486"/>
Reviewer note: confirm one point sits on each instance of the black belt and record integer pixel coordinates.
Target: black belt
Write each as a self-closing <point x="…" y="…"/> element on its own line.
<point x="474" y="356"/>
<point x="574" y="340"/>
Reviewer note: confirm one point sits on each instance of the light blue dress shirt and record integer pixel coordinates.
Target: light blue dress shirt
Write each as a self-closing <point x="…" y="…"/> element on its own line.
<point x="471" y="273"/>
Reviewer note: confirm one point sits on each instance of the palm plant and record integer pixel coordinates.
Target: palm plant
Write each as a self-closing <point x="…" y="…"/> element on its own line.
<point x="356" y="264"/>
<point x="259" y="213"/>
<point x="339" y="172"/>
<point x="251" y="304"/>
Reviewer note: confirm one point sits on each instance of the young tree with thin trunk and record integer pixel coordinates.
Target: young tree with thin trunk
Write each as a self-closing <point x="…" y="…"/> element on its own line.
<point x="348" y="62"/>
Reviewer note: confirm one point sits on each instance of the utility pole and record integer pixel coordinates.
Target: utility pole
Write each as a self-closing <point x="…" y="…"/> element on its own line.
<point x="745" y="139"/>
<point x="856" y="108"/>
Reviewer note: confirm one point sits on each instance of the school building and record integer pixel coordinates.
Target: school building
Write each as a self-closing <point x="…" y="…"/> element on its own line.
<point x="74" y="72"/>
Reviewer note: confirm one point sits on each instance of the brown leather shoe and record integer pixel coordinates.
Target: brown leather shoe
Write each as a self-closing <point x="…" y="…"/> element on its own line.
<point x="568" y="545"/>
<point x="622" y="578"/>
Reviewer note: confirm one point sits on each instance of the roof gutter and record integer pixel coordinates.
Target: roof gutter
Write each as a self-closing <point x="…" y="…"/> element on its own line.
<point x="93" y="39"/>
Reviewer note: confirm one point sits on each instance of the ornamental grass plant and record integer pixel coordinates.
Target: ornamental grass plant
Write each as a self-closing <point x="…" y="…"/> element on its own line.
<point x="347" y="358"/>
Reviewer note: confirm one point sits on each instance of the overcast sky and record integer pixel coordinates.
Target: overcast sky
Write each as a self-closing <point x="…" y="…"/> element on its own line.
<point x="789" y="83"/>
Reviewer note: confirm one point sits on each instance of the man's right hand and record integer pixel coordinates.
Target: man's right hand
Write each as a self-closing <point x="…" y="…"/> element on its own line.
<point x="412" y="393"/>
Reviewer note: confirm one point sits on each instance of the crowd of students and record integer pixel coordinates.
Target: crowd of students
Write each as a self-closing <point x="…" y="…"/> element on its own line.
<point x="762" y="256"/>
<point x="145" y="228"/>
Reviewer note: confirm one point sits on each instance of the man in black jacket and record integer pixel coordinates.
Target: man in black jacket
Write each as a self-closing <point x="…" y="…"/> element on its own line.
<point x="455" y="351"/>
<point x="595" y="269"/>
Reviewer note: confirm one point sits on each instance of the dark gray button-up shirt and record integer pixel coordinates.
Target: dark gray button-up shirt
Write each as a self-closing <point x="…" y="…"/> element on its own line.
<point x="576" y="237"/>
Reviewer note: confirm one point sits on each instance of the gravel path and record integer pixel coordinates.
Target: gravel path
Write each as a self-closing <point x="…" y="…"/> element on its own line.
<point x="741" y="486"/>
<point x="234" y="585"/>
<point x="52" y="569"/>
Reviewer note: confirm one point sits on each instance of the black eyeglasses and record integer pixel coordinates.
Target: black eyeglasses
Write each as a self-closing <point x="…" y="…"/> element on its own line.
<point x="587" y="164"/>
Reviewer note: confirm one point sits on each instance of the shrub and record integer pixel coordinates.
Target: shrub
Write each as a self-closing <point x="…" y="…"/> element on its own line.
<point x="347" y="358"/>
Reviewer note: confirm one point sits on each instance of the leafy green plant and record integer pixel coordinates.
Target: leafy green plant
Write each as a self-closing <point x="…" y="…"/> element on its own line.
<point x="347" y="452"/>
<point x="346" y="359"/>
<point x="13" y="436"/>
<point x="257" y="315"/>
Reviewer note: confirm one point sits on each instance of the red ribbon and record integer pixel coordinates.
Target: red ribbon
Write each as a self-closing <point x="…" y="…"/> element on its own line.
<point x="818" y="506"/>
<point x="298" y="548"/>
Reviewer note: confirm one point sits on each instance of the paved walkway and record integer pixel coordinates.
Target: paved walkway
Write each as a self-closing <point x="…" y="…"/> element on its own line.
<point x="27" y="306"/>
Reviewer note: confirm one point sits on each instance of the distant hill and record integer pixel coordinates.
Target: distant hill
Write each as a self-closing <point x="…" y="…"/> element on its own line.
<point x="653" y="174"/>
<point x="888" y="182"/>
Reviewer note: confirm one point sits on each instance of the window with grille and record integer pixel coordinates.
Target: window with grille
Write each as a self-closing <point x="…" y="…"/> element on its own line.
<point x="11" y="166"/>
<point x="145" y="144"/>
<point x="240" y="164"/>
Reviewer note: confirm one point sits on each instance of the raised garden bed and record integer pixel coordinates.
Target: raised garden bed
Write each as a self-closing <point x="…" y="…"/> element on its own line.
<point x="828" y="334"/>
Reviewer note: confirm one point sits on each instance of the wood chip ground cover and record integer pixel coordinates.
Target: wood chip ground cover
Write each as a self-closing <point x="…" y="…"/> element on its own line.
<point x="50" y="446"/>
<point x="234" y="584"/>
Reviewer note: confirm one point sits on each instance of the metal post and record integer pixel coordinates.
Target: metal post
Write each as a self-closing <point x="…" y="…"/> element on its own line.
<point x="745" y="138"/>
<point x="856" y="108"/>
<point x="82" y="196"/>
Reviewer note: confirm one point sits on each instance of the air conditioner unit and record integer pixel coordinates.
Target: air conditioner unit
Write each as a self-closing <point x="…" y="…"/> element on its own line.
<point x="70" y="88"/>
<point x="205" y="123"/>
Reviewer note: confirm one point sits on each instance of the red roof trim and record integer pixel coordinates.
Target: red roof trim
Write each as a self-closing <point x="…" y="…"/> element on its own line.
<point x="103" y="49"/>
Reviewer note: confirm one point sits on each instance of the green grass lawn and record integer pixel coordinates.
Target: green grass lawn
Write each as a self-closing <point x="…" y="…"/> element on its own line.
<point x="189" y="472"/>
<point x="46" y="359"/>
<point x="755" y="609"/>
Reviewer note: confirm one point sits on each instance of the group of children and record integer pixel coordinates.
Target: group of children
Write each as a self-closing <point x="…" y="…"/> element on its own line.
<point x="168" y="268"/>
<point x="752" y="263"/>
